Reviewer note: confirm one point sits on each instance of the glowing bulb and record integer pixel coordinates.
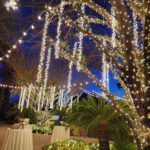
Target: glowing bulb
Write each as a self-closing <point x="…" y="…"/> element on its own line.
<point x="14" y="46"/>
<point x="33" y="27"/>
<point x="20" y="41"/>
<point x="9" y="51"/>
<point x="24" y="33"/>
<point x="7" y="56"/>
<point x="39" y="18"/>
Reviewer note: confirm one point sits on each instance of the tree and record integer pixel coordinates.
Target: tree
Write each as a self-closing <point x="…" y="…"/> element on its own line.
<point x="128" y="59"/>
<point x="92" y="115"/>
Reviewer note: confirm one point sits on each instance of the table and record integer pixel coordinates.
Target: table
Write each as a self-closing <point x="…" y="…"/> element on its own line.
<point x="18" y="139"/>
<point x="60" y="133"/>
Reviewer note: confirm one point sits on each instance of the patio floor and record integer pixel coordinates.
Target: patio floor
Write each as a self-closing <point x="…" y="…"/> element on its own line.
<point x="39" y="140"/>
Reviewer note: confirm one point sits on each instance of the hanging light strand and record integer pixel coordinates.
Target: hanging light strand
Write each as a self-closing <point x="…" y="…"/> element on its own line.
<point x="81" y="36"/>
<point x="29" y="95"/>
<point x="70" y="69"/>
<point x="57" y="44"/>
<point x="113" y="28"/>
<point x="105" y="70"/>
<point x="47" y="67"/>
<point x="43" y="49"/>
<point x="52" y="98"/>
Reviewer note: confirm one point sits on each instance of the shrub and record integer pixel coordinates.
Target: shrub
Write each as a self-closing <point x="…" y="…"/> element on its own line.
<point x="72" y="145"/>
<point x="29" y="113"/>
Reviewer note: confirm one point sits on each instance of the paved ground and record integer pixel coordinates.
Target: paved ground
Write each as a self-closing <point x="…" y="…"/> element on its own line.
<point x="38" y="140"/>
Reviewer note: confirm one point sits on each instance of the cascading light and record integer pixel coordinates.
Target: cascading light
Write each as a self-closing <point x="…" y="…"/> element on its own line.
<point x="43" y="49"/>
<point x="81" y="36"/>
<point x="70" y="69"/>
<point x="57" y="44"/>
<point x="113" y="28"/>
<point x="105" y="70"/>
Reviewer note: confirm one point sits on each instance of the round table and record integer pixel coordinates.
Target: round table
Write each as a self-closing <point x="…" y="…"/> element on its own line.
<point x="18" y="139"/>
<point x="60" y="133"/>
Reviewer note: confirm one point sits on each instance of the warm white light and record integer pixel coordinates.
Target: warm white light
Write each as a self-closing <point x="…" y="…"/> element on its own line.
<point x="57" y="44"/>
<point x="81" y="35"/>
<point x="11" y="4"/>
<point x="14" y="46"/>
<point x="33" y="27"/>
<point x="7" y="56"/>
<point x="39" y="18"/>
<point x="43" y="49"/>
<point x="24" y="33"/>
<point x="20" y="41"/>
<point x="9" y="51"/>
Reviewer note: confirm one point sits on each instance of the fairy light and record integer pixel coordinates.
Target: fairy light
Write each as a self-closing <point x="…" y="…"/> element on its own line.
<point x="135" y="29"/>
<point x="24" y="94"/>
<point x="105" y="70"/>
<point x="70" y="69"/>
<point x="21" y="92"/>
<point x="113" y="28"/>
<point x="19" y="41"/>
<point x="52" y="93"/>
<point x="61" y="94"/>
<point x="43" y="49"/>
<point x="118" y="44"/>
<point x="29" y="95"/>
<point x="47" y="67"/>
<point x="57" y="44"/>
<point x="81" y="36"/>
<point x="11" y="4"/>
<point x="39" y="98"/>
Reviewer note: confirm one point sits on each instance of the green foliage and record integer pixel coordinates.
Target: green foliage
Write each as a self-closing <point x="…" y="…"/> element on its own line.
<point x="29" y="113"/>
<point x="13" y="113"/>
<point x="63" y="114"/>
<point x="46" y="128"/>
<point x="122" y="141"/>
<point x="44" y="125"/>
<point x="88" y="114"/>
<point x="74" y="145"/>
<point x="71" y="145"/>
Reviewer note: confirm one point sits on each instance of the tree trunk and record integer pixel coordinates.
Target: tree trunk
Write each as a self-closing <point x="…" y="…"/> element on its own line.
<point x="103" y="136"/>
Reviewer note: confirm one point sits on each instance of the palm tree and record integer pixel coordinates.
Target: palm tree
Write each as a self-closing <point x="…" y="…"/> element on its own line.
<point x="93" y="115"/>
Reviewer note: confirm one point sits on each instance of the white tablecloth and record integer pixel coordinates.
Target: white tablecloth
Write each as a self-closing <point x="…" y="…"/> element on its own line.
<point x="18" y="139"/>
<point x="60" y="133"/>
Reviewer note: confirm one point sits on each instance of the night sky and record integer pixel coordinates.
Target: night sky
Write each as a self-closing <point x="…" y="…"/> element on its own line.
<point x="25" y="12"/>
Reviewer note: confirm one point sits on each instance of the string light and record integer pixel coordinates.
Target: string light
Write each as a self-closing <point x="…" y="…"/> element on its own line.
<point x="105" y="71"/>
<point x="70" y="69"/>
<point x="57" y="44"/>
<point x="14" y="47"/>
<point x="43" y="49"/>
<point x="52" y="93"/>
<point x="11" y="4"/>
<point x="113" y="28"/>
<point x="81" y="35"/>
<point x="135" y="29"/>
<point x="47" y="67"/>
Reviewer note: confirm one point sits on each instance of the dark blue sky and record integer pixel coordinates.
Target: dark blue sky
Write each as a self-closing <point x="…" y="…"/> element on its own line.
<point x="25" y="12"/>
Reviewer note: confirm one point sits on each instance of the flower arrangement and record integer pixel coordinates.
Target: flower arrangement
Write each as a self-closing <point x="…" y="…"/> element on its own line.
<point x="23" y="122"/>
